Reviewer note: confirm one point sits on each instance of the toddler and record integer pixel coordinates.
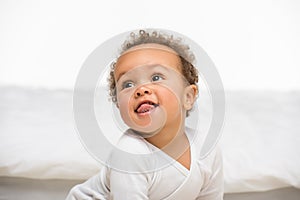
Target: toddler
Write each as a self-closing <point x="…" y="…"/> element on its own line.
<point x="154" y="85"/>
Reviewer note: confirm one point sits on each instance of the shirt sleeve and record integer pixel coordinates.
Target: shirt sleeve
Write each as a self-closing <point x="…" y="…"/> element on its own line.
<point x="94" y="188"/>
<point x="213" y="187"/>
<point x="112" y="184"/>
<point x="128" y="186"/>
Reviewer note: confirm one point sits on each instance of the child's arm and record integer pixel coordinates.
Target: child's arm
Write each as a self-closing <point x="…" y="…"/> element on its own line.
<point x="94" y="188"/>
<point x="128" y="186"/>
<point x="111" y="184"/>
<point x="213" y="188"/>
<point x="120" y="186"/>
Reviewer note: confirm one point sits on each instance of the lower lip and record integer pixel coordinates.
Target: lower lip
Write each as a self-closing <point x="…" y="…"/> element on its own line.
<point x="148" y="112"/>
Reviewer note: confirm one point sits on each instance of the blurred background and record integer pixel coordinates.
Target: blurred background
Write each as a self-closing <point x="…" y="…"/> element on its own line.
<point x="255" y="46"/>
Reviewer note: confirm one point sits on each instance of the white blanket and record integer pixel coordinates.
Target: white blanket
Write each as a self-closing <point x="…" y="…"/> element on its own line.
<point x="260" y="141"/>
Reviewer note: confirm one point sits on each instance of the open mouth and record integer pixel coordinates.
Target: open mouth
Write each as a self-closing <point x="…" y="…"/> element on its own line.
<point x="145" y="106"/>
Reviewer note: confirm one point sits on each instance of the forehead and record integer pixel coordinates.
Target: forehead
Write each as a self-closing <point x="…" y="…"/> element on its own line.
<point x="151" y="46"/>
<point x="147" y="54"/>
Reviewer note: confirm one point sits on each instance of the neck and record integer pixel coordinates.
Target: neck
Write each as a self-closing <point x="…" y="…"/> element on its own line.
<point x="167" y="134"/>
<point x="172" y="140"/>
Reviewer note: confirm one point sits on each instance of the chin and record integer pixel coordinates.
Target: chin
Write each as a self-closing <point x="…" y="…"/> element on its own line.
<point x="148" y="126"/>
<point x="146" y="133"/>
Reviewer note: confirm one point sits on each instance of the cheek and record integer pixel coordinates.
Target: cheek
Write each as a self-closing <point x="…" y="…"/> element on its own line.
<point x="171" y="92"/>
<point x="124" y="104"/>
<point x="171" y="100"/>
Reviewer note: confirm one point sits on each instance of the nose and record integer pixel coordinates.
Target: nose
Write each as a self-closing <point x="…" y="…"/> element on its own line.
<point x="141" y="91"/>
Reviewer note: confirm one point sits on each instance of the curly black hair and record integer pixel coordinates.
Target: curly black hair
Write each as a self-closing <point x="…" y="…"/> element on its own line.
<point x="143" y="37"/>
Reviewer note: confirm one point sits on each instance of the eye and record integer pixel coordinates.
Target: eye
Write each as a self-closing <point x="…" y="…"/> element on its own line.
<point x="156" y="77"/>
<point x="127" y="84"/>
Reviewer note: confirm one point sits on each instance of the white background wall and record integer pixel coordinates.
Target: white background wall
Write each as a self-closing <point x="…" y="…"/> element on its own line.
<point x="254" y="44"/>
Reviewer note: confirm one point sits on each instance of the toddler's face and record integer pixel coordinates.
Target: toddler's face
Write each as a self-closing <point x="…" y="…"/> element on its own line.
<point x="152" y="93"/>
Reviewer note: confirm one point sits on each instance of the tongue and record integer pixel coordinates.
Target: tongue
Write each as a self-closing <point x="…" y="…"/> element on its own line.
<point x="145" y="108"/>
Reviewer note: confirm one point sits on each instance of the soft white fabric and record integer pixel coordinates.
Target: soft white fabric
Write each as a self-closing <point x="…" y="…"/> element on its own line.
<point x="260" y="139"/>
<point x="38" y="138"/>
<point x="204" y="180"/>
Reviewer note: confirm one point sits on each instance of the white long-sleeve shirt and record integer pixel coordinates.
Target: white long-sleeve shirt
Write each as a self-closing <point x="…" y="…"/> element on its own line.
<point x="204" y="180"/>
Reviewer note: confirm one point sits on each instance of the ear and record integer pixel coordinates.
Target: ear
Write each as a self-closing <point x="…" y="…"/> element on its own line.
<point x="190" y="95"/>
<point x="115" y="101"/>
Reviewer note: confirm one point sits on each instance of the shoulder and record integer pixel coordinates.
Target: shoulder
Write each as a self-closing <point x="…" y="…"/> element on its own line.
<point x="133" y="143"/>
<point x="211" y="167"/>
<point x="197" y="139"/>
<point x="213" y="157"/>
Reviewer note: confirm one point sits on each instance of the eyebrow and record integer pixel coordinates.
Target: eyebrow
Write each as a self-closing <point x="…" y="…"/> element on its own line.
<point x="153" y="66"/>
